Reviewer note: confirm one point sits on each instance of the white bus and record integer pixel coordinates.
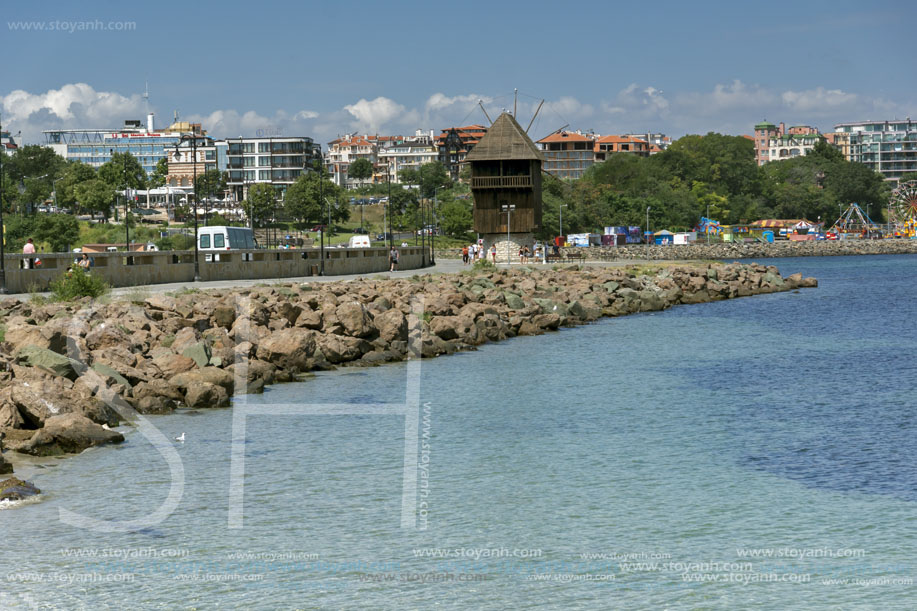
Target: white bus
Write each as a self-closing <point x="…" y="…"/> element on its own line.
<point x="222" y="237"/>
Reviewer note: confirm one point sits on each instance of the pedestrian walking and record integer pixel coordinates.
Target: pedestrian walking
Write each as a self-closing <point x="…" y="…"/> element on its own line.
<point x="29" y="249"/>
<point x="493" y="253"/>
<point x="393" y="259"/>
<point x="465" y="255"/>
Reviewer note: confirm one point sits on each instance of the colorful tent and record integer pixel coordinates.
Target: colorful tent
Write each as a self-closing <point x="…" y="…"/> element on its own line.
<point x="773" y="223"/>
<point x="708" y="226"/>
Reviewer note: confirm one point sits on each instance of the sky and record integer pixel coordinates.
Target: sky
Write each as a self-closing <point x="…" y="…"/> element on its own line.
<point x="324" y="69"/>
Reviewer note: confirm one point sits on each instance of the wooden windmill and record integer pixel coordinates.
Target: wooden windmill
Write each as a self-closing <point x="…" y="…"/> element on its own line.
<point x="506" y="186"/>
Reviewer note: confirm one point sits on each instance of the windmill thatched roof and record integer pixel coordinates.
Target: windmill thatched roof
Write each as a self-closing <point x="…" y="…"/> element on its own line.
<point x="505" y="139"/>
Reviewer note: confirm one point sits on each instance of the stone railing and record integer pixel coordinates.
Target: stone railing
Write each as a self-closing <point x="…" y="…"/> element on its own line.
<point x="136" y="269"/>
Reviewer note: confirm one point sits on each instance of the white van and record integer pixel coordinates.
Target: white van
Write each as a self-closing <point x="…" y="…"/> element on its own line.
<point x="359" y="241"/>
<point x="222" y="237"/>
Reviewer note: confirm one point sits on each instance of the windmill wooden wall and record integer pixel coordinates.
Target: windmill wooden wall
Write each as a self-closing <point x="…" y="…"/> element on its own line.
<point x="506" y="170"/>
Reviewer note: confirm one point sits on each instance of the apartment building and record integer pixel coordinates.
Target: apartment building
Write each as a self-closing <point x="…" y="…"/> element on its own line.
<point x="888" y="147"/>
<point x="277" y="161"/>
<point x="567" y="154"/>
<point x="95" y="147"/>
<point x="656" y="142"/>
<point x="187" y="160"/>
<point x="773" y="143"/>
<point x="607" y="145"/>
<point x="401" y="153"/>
<point x="455" y="143"/>
<point x="570" y="154"/>
<point x="345" y="150"/>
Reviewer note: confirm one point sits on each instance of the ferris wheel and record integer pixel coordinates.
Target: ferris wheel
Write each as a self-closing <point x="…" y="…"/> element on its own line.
<point x="904" y="201"/>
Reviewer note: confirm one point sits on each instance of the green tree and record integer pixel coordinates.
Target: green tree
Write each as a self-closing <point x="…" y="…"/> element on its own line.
<point x="33" y="161"/>
<point x="308" y="198"/>
<point x="217" y="220"/>
<point x="123" y="172"/>
<point x="95" y="195"/>
<point x="75" y="173"/>
<point x="403" y="207"/>
<point x="408" y="177"/>
<point x="209" y="184"/>
<point x="33" y="192"/>
<point x="360" y="170"/>
<point x="260" y="203"/>
<point x="17" y="229"/>
<point x="433" y="177"/>
<point x="160" y="173"/>
<point x="60" y="231"/>
<point x="455" y="217"/>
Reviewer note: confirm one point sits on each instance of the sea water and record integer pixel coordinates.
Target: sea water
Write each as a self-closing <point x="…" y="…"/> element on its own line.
<point x="752" y="453"/>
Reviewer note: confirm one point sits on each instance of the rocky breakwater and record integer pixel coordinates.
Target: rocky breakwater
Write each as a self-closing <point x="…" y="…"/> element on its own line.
<point x="754" y="250"/>
<point x="69" y="373"/>
<point x="700" y="251"/>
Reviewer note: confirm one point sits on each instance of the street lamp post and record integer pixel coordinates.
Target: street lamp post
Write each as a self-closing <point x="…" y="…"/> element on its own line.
<point x="706" y="225"/>
<point x="433" y="231"/>
<point x="193" y="138"/>
<point x="391" y="236"/>
<point x="3" y="290"/>
<point x="647" y="234"/>
<point x="127" y="235"/>
<point x="508" y="209"/>
<point x="321" y="201"/>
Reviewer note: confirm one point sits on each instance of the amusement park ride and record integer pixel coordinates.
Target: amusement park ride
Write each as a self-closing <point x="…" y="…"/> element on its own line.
<point x="902" y="207"/>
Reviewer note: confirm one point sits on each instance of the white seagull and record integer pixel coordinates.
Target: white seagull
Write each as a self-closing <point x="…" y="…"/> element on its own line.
<point x="180" y="438"/>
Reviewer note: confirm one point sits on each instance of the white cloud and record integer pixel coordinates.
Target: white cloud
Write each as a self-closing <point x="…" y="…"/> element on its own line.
<point x="732" y="107"/>
<point x="819" y="99"/>
<point x="73" y="105"/>
<point x="371" y="115"/>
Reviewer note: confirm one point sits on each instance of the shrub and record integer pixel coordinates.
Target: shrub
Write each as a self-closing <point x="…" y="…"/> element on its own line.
<point x="76" y="283"/>
<point x="483" y="265"/>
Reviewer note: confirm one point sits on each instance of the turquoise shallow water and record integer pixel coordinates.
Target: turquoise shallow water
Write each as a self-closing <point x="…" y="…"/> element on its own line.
<point x="753" y="453"/>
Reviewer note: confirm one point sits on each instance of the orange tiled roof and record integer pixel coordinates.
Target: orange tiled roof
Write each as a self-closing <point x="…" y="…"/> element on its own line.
<point x="566" y="137"/>
<point x="620" y="140"/>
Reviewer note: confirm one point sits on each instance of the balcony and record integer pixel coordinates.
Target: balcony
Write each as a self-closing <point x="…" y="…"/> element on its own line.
<point x="500" y="182"/>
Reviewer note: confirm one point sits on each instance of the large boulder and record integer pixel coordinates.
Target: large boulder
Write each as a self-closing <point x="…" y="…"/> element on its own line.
<point x="173" y="364"/>
<point x="206" y="375"/>
<point x="392" y="325"/>
<point x="288" y="348"/>
<point x="67" y="434"/>
<point x="15" y="489"/>
<point x="107" y="335"/>
<point x="206" y="395"/>
<point x="224" y="316"/>
<point x="341" y="349"/>
<point x="5" y="466"/>
<point x="200" y="353"/>
<point x="355" y="320"/>
<point x="309" y="319"/>
<point x="48" y="360"/>
<point x="10" y="418"/>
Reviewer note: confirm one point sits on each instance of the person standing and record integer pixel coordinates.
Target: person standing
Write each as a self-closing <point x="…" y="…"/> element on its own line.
<point x="493" y="253"/>
<point x="465" y="255"/>
<point x="393" y="259"/>
<point x="29" y="249"/>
